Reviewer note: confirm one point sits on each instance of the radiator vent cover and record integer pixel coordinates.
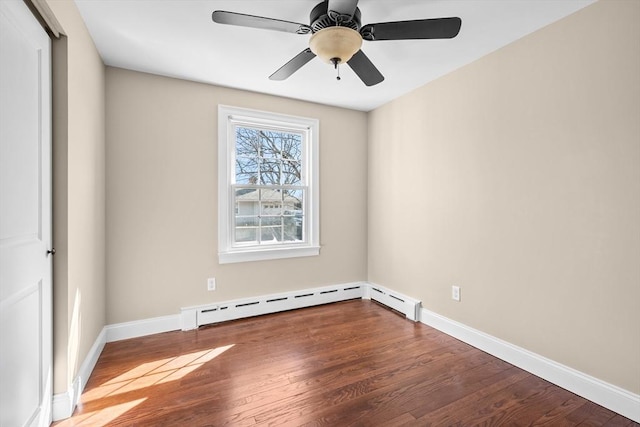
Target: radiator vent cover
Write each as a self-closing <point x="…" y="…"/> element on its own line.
<point x="194" y="317"/>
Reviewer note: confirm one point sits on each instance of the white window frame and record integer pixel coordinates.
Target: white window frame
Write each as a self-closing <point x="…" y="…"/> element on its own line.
<point x="228" y="118"/>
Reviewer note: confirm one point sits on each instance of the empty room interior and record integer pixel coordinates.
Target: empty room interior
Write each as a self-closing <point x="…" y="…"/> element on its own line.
<point x="495" y="204"/>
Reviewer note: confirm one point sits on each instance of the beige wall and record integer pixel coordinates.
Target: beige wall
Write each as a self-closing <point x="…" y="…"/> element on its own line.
<point x="79" y="194"/>
<point x="162" y="190"/>
<point x="517" y="178"/>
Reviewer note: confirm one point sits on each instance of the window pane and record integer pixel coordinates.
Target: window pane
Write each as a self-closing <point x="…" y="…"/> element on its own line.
<point x="247" y="155"/>
<point x="291" y="167"/>
<point x="246" y="170"/>
<point x="270" y="144"/>
<point x="292" y="146"/>
<point x="270" y="208"/>
<point x="271" y="221"/>
<point x="246" y="229"/>
<point x="294" y="215"/>
<point x="247" y="142"/>
<point x="270" y="202"/>
<point x="246" y="235"/>
<point x="294" y="199"/>
<point x="292" y="228"/>
<point x="270" y="172"/>
<point x="246" y="221"/>
<point x="247" y="201"/>
<point x="271" y="234"/>
<point x="291" y="171"/>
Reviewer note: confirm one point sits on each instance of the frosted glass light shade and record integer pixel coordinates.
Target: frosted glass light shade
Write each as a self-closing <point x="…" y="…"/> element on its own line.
<point x="335" y="42"/>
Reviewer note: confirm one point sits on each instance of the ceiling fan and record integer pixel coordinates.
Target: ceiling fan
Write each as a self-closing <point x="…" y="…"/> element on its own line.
<point x="337" y="34"/>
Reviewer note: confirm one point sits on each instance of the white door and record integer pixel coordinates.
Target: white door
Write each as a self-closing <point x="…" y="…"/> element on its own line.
<point x="25" y="219"/>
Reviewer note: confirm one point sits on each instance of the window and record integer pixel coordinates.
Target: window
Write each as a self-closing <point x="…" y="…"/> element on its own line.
<point x="267" y="185"/>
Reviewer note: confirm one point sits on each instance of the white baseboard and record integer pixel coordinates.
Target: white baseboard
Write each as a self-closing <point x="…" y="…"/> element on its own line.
<point x="141" y="328"/>
<point x="61" y="406"/>
<point x="593" y="389"/>
<point x="64" y="404"/>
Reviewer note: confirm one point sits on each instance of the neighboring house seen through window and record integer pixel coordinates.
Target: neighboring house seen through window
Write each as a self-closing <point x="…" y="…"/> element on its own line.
<point x="268" y="205"/>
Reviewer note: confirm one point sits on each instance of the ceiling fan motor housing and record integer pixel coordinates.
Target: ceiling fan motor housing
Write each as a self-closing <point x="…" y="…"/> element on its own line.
<point x="320" y="18"/>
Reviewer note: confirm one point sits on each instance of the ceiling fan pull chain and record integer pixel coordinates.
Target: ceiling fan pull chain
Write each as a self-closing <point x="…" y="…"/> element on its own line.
<point x="335" y="62"/>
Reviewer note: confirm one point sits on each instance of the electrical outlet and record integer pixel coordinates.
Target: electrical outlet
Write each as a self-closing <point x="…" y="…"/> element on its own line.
<point x="455" y="293"/>
<point x="211" y="284"/>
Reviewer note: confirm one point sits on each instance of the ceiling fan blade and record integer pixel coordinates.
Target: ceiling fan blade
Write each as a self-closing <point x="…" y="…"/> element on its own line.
<point x="242" y="20"/>
<point x="293" y="65"/>
<point x="438" y="28"/>
<point x="344" y="8"/>
<point x="365" y="69"/>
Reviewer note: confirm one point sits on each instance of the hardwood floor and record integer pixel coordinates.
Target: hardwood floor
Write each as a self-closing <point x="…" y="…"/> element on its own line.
<point x="351" y="363"/>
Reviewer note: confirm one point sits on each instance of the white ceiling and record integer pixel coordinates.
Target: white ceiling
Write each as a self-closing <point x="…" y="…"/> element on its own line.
<point x="177" y="38"/>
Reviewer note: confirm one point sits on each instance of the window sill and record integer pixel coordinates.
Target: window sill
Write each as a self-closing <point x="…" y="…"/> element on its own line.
<point x="266" y="254"/>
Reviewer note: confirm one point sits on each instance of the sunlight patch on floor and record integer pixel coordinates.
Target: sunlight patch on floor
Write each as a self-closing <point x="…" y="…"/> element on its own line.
<point x="101" y="417"/>
<point x="152" y="373"/>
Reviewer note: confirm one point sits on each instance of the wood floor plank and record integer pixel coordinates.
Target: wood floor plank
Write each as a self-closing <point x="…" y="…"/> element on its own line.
<point x="590" y="415"/>
<point x="619" y="421"/>
<point x="350" y="363"/>
<point x="451" y="413"/>
<point x="500" y="408"/>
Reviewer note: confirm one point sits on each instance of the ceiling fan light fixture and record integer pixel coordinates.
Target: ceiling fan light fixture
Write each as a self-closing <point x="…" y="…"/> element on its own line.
<point x="333" y="43"/>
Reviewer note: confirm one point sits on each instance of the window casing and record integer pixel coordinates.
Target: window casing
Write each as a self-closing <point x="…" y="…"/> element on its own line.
<point x="267" y="185"/>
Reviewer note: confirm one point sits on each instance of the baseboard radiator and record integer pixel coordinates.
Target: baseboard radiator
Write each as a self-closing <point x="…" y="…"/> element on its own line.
<point x="410" y="307"/>
<point x="194" y="317"/>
